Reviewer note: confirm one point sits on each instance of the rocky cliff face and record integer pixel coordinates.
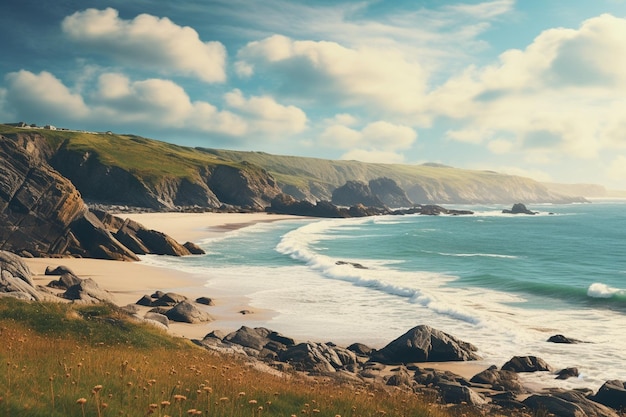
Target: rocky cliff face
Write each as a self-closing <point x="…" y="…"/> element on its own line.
<point x="389" y="192"/>
<point x="380" y="192"/>
<point x="42" y="213"/>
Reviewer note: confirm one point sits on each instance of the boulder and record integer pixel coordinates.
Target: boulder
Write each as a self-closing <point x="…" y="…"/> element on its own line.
<point x="193" y="248"/>
<point x="159" y="318"/>
<point x="526" y="364"/>
<point x="400" y="377"/>
<point x="499" y="380"/>
<point x="87" y="291"/>
<point x="58" y="270"/>
<point x="65" y="281"/>
<point x="559" y="338"/>
<point x="145" y="301"/>
<point x="360" y="349"/>
<point x="15" y="278"/>
<point x="612" y="394"/>
<point x="425" y="344"/>
<point x="205" y="301"/>
<point x="169" y="299"/>
<point x="568" y="404"/>
<point x="518" y="208"/>
<point x="187" y="313"/>
<point x="317" y="358"/>
<point x="567" y="373"/>
<point x="255" y="338"/>
<point x="455" y="393"/>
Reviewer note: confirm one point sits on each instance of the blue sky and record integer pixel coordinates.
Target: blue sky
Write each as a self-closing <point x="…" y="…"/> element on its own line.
<point x="528" y="87"/>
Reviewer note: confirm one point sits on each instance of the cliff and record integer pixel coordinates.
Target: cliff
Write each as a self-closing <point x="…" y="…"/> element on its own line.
<point x="132" y="171"/>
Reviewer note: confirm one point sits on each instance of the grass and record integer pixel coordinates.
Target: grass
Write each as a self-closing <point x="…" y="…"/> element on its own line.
<point x="66" y="360"/>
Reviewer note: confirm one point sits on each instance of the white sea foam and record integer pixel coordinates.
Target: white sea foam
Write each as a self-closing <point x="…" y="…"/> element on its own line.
<point x="600" y="290"/>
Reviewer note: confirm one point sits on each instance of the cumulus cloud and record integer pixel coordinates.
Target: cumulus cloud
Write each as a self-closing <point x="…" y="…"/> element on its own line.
<point x="379" y="141"/>
<point x="617" y="169"/>
<point x="564" y="92"/>
<point x="265" y="114"/>
<point x="42" y="97"/>
<point x="157" y="103"/>
<point x="329" y="72"/>
<point x="149" y="42"/>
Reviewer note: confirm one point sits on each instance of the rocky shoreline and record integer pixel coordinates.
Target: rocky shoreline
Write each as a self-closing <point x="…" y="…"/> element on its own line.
<point x="404" y="363"/>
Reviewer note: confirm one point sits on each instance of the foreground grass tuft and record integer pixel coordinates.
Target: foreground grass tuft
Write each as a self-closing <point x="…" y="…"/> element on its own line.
<point x="68" y="360"/>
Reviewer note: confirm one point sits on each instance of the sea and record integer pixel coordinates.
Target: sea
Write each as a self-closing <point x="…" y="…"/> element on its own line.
<point x="502" y="282"/>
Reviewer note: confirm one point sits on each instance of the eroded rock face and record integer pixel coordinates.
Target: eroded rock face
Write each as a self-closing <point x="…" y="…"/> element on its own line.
<point x="42" y="213"/>
<point x="15" y="278"/>
<point x="355" y="192"/>
<point x="390" y="193"/>
<point x="526" y="364"/>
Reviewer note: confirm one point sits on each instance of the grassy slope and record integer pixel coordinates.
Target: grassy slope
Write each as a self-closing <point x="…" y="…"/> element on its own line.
<point x="54" y="354"/>
<point x="152" y="159"/>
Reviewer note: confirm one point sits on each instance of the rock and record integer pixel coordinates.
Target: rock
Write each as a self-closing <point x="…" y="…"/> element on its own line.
<point x="355" y="192"/>
<point x="87" y="291"/>
<point x="455" y="393"/>
<point x="187" y="313"/>
<point x="559" y="338"/>
<point x="526" y="364"/>
<point x="400" y="377"/>
<point x="316" y="358"/>
<point x="499" y="380"/>
<point x="65" y="281"/>
<point x="205" y="301"/>
<point x="567" y="373"/>
<point x="429" y="376"/>
<point x="58" y="270"/>
<point x="16" y="279"/>
<point x="353" y="264"/>
<point x="286" y="204"/>
<point x="568" y="404"/>
<point x="388" y="191"/>
<point x="42" y="213"/>
<point x="612" y="394"/>
<point x="518" y="208"/>
<point x="255" y="338"/>
<point x="168" y="300"/>
<point x="193" y="248"/>
<point x="145" y="301"/>
<point x="245" y="185"/>
<point x="360" y="349"/>
<point x="425" y="344"/>
<point x="159" y="318"/>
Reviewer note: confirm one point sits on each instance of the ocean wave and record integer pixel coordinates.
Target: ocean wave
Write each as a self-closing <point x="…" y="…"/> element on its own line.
<point x="600" y="290"/>
<point x="470" y="255"/>
<point x="296" y="245"/>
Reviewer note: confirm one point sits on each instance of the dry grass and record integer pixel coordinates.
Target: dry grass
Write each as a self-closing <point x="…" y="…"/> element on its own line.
<point x="52" y="373"/>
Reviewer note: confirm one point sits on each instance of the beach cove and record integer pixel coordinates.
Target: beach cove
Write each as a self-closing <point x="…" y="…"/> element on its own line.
<point x="316" y="299"/>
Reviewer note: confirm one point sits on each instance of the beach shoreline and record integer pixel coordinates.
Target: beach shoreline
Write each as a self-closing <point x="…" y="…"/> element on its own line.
<point x="129" y="281"/>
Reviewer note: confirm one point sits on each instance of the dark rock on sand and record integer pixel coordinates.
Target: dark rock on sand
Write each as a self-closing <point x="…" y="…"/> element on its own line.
<point x="187" y="313"/>
<point x="612" y="394"/>
<point x="318" y="358"/>
<point x="169" y="299"/>
<point x="205" y="301"/>
<point x="526" y="364"/>
<point x="568" y="404"/>
<point x="193" y="248"/>
<point x="87" y="291"/>
<point x="425" y="344"/>
<point x="65" y="281"/>
<point x="58" y="270"/>
<point x="159" y="318"/>
<point x="360" y="349"/>
<point x="499" y="380"/>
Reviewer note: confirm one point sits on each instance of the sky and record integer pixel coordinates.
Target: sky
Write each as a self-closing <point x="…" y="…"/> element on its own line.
<point x="527" y="87"/>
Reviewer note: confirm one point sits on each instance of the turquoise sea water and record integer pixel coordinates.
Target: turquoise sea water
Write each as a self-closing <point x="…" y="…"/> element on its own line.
<point x="502" y="282"/>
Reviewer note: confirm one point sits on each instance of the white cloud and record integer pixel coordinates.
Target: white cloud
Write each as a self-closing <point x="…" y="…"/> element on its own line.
<point x="42" y="97"/>
<point x="148" y="41"/>
<point x="500" y="146"/>
<point x="565" y="93"/>
<point x="329" y="72"/>
<point x="266" y="115"/>
<point x="154" y="103"/>
<point x="617" y="169"/>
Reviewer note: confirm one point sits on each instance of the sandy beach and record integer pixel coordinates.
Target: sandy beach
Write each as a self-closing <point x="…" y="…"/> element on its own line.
<point x="129" y="281"/>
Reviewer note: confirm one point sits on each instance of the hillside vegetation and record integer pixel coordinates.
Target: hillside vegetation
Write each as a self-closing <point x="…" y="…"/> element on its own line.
<point x="130" y="170"/>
